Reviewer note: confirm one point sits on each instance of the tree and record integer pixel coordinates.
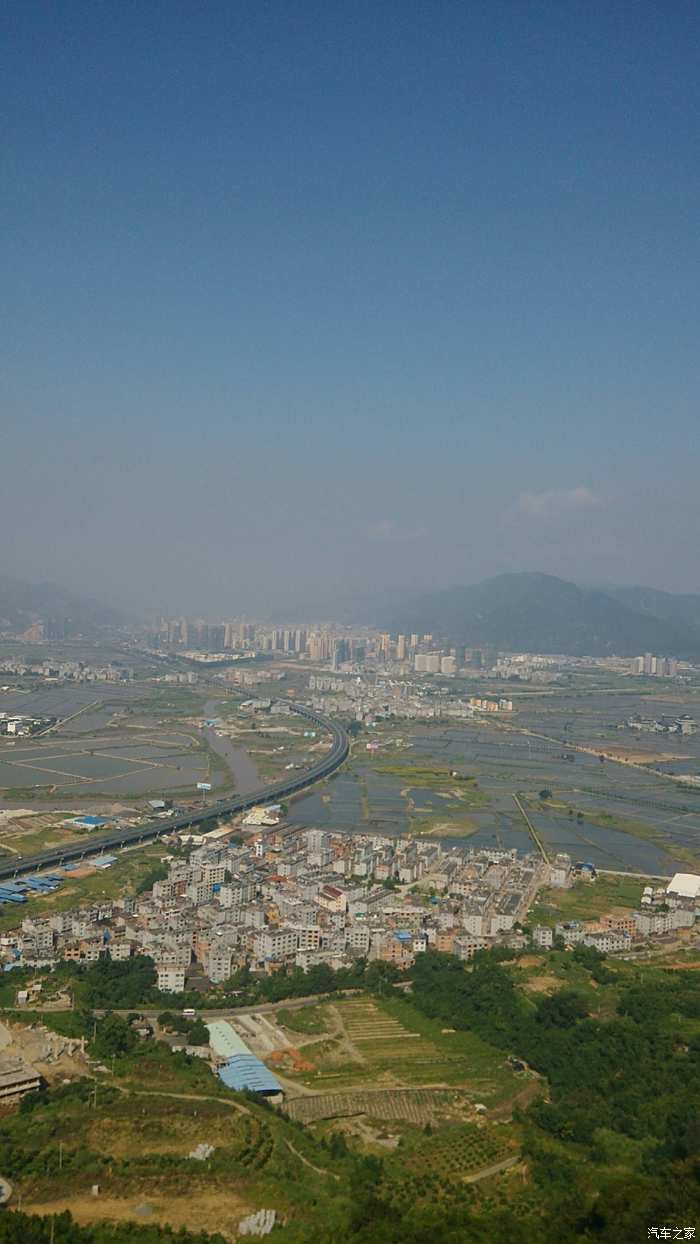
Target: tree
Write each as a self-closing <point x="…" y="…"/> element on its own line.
<point x="546" y="793"/>
<point x="561" y="1009"/>
<point x="113" y="1036"/>
<point x="198" y="1033"/>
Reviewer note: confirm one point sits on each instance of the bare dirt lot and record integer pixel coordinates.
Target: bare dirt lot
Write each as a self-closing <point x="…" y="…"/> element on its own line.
<point x="56" y="1058"/>
<point x="542" y="984"/>
<point x="637" y="756"/>
<point x="212" y="1211"/>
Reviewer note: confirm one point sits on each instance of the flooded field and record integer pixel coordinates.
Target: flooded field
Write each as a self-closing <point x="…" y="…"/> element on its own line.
<point x="110" y="740"/>
<point x="652" y="825"/>
<point x="115" y="766"/>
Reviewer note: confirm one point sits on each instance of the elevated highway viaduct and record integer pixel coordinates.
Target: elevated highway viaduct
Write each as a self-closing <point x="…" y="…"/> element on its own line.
<point x="154" y="829"/>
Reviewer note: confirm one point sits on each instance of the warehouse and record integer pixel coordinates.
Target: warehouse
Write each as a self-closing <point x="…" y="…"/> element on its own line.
<point x="684" y="885"/>
<point x="225" y="1041"/>
<point x="245" y="1071"/>
<point x="240" y="1069"/>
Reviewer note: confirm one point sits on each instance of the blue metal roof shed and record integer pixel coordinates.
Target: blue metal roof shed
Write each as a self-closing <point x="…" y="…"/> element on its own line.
<point x="103" y="861"/>
<point x="245" y="1071"/>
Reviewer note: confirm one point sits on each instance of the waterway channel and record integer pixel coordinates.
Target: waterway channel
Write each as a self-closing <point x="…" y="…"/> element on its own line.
<point x="240" y="764"/>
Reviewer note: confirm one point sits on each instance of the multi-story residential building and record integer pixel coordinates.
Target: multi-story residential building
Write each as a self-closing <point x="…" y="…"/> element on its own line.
<point x="171" y="979"/>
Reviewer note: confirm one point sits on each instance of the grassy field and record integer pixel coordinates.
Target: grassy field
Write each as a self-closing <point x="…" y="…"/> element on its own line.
<point x="443" y="825"/>
<point x="108" y="883"/>
<point x="30" y="834"/>
<point x="586" y="899"/>
<point x="137" y="1148"/>
<point x="386" y="1043"/>
<point x="308" y="1020"/>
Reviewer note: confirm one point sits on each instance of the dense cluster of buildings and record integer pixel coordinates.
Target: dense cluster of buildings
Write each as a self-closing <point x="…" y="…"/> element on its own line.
<point x="373" y="697"/>
<point x="685" y="724"/>
<point x="297" y="897"/>
<point x="67" y="671"/>
<point x="654" y="666"/>
<point x="20" y="725"/>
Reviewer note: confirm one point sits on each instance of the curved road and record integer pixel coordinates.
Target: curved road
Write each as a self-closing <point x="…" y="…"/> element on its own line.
<point x="224" y="807"/>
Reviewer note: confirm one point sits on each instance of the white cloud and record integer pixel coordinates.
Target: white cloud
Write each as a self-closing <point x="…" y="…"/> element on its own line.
<point x="556" y="501"/>
<point x="389" y="530"/>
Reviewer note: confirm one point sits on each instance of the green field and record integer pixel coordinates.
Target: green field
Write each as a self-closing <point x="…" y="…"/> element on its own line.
<point x="136" y="1147"/>
<point x="308" y="1020"/>
<point x="385" y="1043"/>
<point x="453" y="1153"/>
<point x="109" y="883"/>
<point x="586" y="899"/>
<point x="464" y="789"/>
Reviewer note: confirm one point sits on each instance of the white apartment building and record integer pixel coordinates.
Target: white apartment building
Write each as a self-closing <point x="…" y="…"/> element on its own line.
<point x="199" y="892"/>
<point x="357" y="938"/>
<point x="171" y="979"/>
<point x="217" y="964"/>
<point x="119" y="951"/>
<point x="651" y="923"/>
<point x="608" y="941"/>
<point x="308" y="936"/>
<point x="275" y="943"/>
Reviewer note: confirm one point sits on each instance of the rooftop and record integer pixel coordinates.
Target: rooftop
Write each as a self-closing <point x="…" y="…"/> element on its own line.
<point x="225" y="1041"/>
<point x="245" y="1071"/>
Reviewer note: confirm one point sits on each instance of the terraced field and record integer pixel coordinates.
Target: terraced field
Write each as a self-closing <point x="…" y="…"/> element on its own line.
<point x="417" y="1106"/>
<point x="384" y="1043"/>
<point x="364" y="1021"/>
<point x="457" y="1152"/>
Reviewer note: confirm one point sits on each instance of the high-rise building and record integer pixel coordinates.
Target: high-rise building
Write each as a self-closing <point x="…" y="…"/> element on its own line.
<point x="401" y="648"/>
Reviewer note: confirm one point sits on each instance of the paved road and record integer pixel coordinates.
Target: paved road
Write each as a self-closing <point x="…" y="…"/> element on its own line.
<point x="290" y="1004"/>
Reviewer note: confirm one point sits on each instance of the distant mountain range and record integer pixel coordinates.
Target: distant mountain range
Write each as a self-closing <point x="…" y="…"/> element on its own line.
<point x="531" y="612"/>
<point x="22" y="604"/>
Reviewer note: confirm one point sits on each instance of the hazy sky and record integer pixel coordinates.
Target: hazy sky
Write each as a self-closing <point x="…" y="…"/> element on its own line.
<point x="306" y="297"/>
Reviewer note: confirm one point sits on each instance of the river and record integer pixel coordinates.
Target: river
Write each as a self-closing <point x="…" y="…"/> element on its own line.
<point x="244" y="770"/>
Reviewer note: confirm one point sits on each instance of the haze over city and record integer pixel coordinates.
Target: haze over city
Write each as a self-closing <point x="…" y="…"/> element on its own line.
<point x="305" y="302"/>
<point x="349" y="622"/>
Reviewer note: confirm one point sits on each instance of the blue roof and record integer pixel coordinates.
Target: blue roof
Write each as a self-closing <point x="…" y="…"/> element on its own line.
<point x="90" y="820"/>
<point x="245" y="1071"/>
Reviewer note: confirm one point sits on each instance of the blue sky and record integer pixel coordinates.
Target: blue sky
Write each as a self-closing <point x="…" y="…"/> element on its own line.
<point x="309" y="298"/>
